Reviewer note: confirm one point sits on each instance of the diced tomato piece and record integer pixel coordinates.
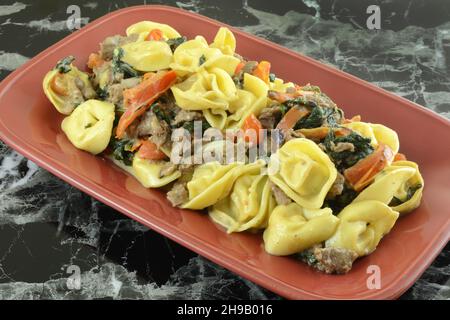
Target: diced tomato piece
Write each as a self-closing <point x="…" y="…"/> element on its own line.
<point x="148" y="150"/>
<point x="363" y="172"/>
<point x="262" y="71"/>
<point x="400" y="157"/>
<point x="94" y="61"/>
<point x="252" y="128"/>
<point x="239" y="67"/>
<point x="138" y="99"/>
<point x="154" y="35"/>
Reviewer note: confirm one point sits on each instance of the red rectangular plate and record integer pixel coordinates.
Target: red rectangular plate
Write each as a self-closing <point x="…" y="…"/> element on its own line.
<point x="29" y="124"/>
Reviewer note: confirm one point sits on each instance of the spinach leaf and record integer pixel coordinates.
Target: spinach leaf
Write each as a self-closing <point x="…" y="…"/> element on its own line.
<point x="189" y="126"/>
<point x="119" y="66"/>
<point x="347" y="158"/>
<point x="272" y="77"/>
<point x="102" y="93"/>
<point x="121" y="150"/>
<point x="63" y="65"/>
<point x="308" y="257"/>
<point x="201" y="60"/>
<point x="160" y="113"/>
<point x="341" y="201"/>
<point x="314" y="119"/>
<point x="175" y="42"/>
<point x="319" y="117"/>
<point x="410" y="193"/>
<point x="309" y="87"/>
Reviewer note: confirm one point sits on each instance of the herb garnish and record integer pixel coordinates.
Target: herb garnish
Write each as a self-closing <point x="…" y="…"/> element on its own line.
<point x="63" y="65"/>
<point x="201" y="60"/>
<point x="347" y="158"/>
<point x="121" y="150"/>
<point x="175" y="42"/>
<point x="119" y="66"/>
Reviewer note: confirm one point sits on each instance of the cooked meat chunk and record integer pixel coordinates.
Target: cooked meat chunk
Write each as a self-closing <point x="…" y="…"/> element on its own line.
<point x="78" y="92"/>
<point x="334" y="260"/>
<point x="105" y="76"/>
<point x="110" y="43"/>
<point x="151" y="125"/>
<point x="75" y="95"/>
<point x="115" y="91"/>
<point x="115" y="94"/>
<point x="249" y="66"/>
<point x="280" y="197"/>
<point x="187" y="169"/>
<point x="342" y="146"/>
<point x="130" y="82"/>
<point x="270" y="116"/>
<point x="86" y="91"/>
<point x="337" y="187"/>
<point x="186" y="116"/>
<point x="167" y="103"/>
<point x="178" y="194"/>
<point x="290" y="134"/>
<point x="167" y="169"/>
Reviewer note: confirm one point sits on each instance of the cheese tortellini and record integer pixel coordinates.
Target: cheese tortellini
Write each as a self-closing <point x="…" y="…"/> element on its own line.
<point x="377" y="133"/>
<point x="303" y="171"/>
<point x="362" y="225"/>
<point x="212" y="92"/>
<point x="149" y="173"/>
<point x="224" y="41"/>
<point x="187" y="57"/>
<point x="90" y="125"/>
<point x="255" y="85"/>
<point x="247" y="207"/>
<point x="212" y="182"/>
<point x="147" y="56"/>
<point x="143" y="28"/>
<point x="293" y="229"/>
<point x="399" y="185"/>
<point x="66" y="90"/>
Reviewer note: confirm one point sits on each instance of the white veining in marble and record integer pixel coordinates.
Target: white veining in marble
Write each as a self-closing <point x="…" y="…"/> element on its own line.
<point x="46" y="24"/>
<point x="91" y="5"/>
<point x="199" y="279"/>
<point x="10" y="61"/>
<point x="6" y="10"/>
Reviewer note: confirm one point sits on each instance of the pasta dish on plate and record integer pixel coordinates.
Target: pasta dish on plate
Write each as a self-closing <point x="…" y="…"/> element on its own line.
<point x="223" y="134"/>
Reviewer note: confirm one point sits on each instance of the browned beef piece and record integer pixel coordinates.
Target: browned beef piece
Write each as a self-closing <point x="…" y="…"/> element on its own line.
<point x="290" y="134"/>
<point x="86" y="91"/>
<point x="78" y="92"/>
<point x="270" y="116"/>
<point x="334" y="260"/>
<point x="337" y="187"/>
<point x="183" y="116"/>
<point x="178" y="194"/>
<point x="157" y="129"/>
<point x="115" y="91"/>
<point x="75" y="95"/>
<point x="342" y="146"/>
<point x="110" y="43"/>
<point x="323" y="101"/>
<point x="167" y="169"/>
<point x="249" y="66"/>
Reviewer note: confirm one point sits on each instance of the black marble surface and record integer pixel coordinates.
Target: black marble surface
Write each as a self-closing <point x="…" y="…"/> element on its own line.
<point x="47" y="225"/>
